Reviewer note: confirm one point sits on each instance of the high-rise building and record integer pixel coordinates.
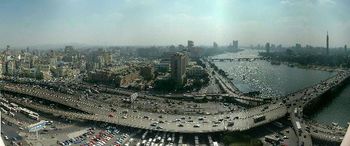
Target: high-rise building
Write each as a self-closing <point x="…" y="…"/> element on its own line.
<point x="235" y="44"/>
<point x="215" y="45"/>
<point x="267" y="47"/>
<point x="0" y="69"/>
<point x="327" y="43"/>
<point x="178" y="67"/>
<point x="7" y="51"/>
<point x="68" y="54"/>
<point x="190" y="44"/>
<point x="68" y="50"/>
<point x="345" y="48"/>
<point x="195" y="52"/>
<point x="298" y="46"/>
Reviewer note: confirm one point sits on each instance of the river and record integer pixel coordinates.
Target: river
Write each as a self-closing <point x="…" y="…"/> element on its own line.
<point x="279" y="80"/>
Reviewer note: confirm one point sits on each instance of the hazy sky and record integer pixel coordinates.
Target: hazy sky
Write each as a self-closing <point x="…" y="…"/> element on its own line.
<point x="166" y="22"/>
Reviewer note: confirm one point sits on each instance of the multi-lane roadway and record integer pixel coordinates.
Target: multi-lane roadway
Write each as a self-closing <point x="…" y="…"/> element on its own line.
<point x="201" y="123"/>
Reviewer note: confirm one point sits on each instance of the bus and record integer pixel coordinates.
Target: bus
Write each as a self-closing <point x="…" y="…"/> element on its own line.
<point x="6" y="106"/>
<point x="12" y="114"/>
<point x="297" y="123"/>
<point x="29" y="113"/>
<point x="3" y="111"/>
<point x="4" y="100"/>
<point x="180" y="140"/>
<point x="14" y="105"/>
<point x="296" y="111"/>
<point x="133" y="97"/>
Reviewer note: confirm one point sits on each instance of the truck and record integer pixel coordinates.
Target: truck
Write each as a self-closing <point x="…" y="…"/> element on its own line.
<point x="12" y="114"/>
<point x="296" y="111"/>
<point x="259" y="118"/>
<point x="14" y="105"/>
<point x="297" y="123"/>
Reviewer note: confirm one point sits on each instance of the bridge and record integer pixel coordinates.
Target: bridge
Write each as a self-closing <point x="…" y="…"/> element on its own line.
<point x="237" y="59"/>
<point x="298" y="100"/>
<point x="229" y="121"/>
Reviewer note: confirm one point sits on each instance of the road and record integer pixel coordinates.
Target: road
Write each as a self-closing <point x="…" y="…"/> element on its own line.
<point x="142" y="119"/>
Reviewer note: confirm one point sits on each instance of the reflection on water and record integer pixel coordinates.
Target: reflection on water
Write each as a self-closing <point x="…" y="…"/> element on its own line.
<point x="270" y="80"/>
<point x="242" y="54"/>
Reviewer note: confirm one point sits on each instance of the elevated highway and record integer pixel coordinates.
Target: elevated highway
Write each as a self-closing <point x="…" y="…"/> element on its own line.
<point x="231" y="91"/>
<point x="298" y="100"/>
<point x="201" y="123"/>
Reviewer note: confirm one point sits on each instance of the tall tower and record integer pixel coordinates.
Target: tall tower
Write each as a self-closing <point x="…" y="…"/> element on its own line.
<point x="267" y="47"/>
<point x="345" y="48"/>
<point x="327" y="43"/>
<point x="190" y="44"/>
<point x="7" y="51"/>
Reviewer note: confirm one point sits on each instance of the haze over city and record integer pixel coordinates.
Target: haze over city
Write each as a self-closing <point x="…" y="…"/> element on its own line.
<point x="161" y="22"/>
<point x="174" y="72"/>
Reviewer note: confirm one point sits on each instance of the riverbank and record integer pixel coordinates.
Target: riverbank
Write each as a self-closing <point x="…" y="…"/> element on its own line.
<point x="314" y="67"/>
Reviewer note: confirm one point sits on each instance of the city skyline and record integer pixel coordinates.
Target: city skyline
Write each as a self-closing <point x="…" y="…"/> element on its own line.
<point x="156" y="22"/>
<point x="174" y="73"/>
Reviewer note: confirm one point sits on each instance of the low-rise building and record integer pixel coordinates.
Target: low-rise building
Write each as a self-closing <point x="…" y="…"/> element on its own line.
<point x="113" y="77"/>
<point x="196" y="70"/>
